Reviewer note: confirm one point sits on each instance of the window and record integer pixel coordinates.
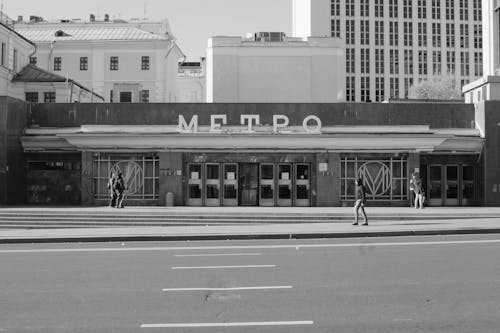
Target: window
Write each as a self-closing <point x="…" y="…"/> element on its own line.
<point x="393" y="34"/>
<point x="379" y="33"/>
<point x="14" y="64"/>
<point x="125" y="97"/>
<point x="49" y="97"/>
<point x="350" y="88"/>
<point x="32" y="97"/>
<point x="422" y="34"/>
<point x="350" y="61"/>
<point x="478" y="36"/>
<point x="111" y="96"/>
<point x="436" y="62"/>
<point x="349" y="32"/>
<point x="379" y="61"/>
<point x="464" y="64"/>
<point x="84" y="63"/>
<point x="408" y="33"/>
<point x="464" y="36"/>
<point x="365" y="32"/>
<point x="450" y="10"/>
<point x="4" y="49"/>
<point x="379" y="89"/>
<point x="408" y="85"/>
<point x="393" y="8"/>
<point x="450" y="35"/>
<point x="394" y="61"/>
<point x="113" y="63"/>
<point x="450" y="62"/>
<point x="365" y="89"/>
<point x="394" y="87"/>
<point x="478" y="63"/>
<point x="477" y="10"/>
<point x="364" y="8"/>
<point x="436" y="9"/>
<point x="379" y="8"/>
<point x="407" y="9"/>
<point x="57" y="63"/>
<point x="365" y="61"/>
<point x="436" y="34"/>
<point x="349" y="7"/>
<point x="145" y="96"/>
<point x="33" y="61"/>
<point x="422" y="9"/>
<point x="335" y="27"/>
<point x="145" y="63"/>
<point x="464" y="10"/>
<point x="408" y="62"/>
<point x="422" y="62"/>
<point x="335" y="7"/>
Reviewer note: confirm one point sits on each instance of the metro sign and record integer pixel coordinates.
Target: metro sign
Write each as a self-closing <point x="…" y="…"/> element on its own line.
<point x="247" y="122"/>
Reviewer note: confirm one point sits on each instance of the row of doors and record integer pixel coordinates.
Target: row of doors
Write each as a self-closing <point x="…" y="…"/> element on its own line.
<point x="249" y="184"/>
<point x="451" y="185"/>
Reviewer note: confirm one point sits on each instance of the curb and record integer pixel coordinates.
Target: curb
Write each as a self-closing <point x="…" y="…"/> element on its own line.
<point x="167" y="238"/>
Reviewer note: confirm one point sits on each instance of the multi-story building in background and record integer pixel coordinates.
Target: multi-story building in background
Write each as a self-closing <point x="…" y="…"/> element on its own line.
<point x="124" y="61"/>
<point x="392" y="44"/>
<point x="191" y="82"/>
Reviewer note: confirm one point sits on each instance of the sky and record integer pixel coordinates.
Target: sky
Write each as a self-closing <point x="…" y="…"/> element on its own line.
<point x="193" y="22"/>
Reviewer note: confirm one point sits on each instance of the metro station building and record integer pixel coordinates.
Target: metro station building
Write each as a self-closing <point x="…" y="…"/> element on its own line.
<point x="258" y="154"/>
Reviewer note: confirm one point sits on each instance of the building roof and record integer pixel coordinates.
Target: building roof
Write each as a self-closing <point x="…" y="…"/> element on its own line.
<point x="41" y="34"/>
<point x="32" y="73"/>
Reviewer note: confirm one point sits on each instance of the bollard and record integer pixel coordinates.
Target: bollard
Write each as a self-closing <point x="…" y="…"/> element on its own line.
<point x="169" y="202"/>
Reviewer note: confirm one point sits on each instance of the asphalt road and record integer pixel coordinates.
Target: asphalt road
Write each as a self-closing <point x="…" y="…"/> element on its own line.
<point x="403" y="284"/>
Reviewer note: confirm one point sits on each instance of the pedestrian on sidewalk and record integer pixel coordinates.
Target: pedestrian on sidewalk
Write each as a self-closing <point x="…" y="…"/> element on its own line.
<point x="419" y="192"/>
<point x="111" y="189"/>
<point x="360" y="202"/>
<point x="412" y="189"/>
<point x="119" y="190"/>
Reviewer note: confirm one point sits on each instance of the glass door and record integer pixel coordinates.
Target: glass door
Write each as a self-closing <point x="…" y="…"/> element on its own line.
<point x="468" y="192"/>
<point x="451" y="185"/>
<point x="194" y="185"/>
<point x="249" y="184"/>
<point x="212" y="184"/>
<point x="230" y="186"/>
<point x="435" y="190"/>
<point x="266" y="185"/>
<point x="302" y="185"/>
<point x="285" y="185"/>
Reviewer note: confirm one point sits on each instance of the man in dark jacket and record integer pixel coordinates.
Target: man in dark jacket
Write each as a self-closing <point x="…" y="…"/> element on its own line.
<point x="360" y="202"/>
<point x="119" y="190"/>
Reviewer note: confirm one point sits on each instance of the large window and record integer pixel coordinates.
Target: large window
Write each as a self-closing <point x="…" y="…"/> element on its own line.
<point x="32" y="97"/>
<point x="49" y="97"/>
<point x="33" y="61"/>
<point x="145" y="63"/>
<point x="385" y="179"/>
<point x="84" y="63"/>
<point x="113" y="63"/>
<point x="57" y="63"/>
<point x="140" y="173"/>
<point x="125" y="97"/>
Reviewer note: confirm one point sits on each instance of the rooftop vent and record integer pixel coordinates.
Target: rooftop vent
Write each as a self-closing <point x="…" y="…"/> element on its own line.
<point x="60" y="33"/>
<point x="92" y="18"/>
<point x="34" y="18"/>
<point x="19" y="18"/>
<point x="106" y="18"/>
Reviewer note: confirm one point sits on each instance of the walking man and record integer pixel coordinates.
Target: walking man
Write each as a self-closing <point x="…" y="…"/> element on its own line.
<point x="119" y="190"/>
<point x="419" y="192"/>
<point x="360" y="202"/>
<point x="111" y="188"/>
<point x="412" y="190"/>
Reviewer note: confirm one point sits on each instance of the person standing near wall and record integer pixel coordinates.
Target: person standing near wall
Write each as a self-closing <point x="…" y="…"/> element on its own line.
<point x="360" y="202"/>
<point x="419" y="192"/>
<point x="111" y="188"/>
<point x="412" y="190"/>
<point x="119" y="190"/>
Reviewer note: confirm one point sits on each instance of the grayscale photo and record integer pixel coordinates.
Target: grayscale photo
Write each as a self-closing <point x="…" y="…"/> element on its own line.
<point x="274" y="166"/>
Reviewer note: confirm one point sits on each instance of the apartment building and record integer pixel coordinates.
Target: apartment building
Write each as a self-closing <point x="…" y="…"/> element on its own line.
<point x="392" y="44"/>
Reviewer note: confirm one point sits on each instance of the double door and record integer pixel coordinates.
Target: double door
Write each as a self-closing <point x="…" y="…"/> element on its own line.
<point x="248" y="184"/>
<point x="451" y="185"/>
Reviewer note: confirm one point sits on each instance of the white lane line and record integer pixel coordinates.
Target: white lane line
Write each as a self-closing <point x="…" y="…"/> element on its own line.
<point x="221" y="267"/>
<point x="235" y="324"/>
<point x="251" y="247"/>
<point x="217" y="255"/>
<point x="228" y="289"/>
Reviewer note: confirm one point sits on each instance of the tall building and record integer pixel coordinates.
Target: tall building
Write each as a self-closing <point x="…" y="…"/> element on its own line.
<point x="124" y="61"/>
<point x="392" y="44"/>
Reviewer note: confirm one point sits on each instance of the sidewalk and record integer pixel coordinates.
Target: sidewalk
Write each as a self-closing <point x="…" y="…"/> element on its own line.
<point x="384" y="221"/>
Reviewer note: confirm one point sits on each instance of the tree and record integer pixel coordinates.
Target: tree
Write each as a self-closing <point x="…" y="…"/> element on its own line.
<point x="443" y="87"/>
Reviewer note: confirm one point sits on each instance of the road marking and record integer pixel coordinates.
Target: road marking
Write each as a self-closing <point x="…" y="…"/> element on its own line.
<point x="249" y="247"/>
<point x="228" y="289"/>
<point x="236" y="324"/>
<point x="217" y="255"/>
<point x="221" y="267"/>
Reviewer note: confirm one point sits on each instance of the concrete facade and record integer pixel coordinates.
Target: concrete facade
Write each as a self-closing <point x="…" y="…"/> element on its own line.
<point x="289" y="71"/>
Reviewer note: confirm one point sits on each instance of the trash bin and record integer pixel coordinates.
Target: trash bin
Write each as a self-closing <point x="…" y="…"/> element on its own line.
<point x="169" y="202"/>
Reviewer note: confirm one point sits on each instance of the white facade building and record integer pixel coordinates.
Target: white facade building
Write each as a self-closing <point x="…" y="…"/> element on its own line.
<point x="115" y="59"/>
<point x="275" y="69"/>
<point x="392" y="44"/>
<point x="488" y="87"/>
<point x="191" y="78"/>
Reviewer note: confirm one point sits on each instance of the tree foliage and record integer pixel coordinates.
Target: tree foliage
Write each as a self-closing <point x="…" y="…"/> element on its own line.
<point x="443" y="87"/>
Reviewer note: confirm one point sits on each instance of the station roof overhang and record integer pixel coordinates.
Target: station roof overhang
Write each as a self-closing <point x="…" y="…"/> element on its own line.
<point x="334" y="139"/>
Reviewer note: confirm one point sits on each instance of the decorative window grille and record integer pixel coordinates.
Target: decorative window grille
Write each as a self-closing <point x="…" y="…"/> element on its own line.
<point x="385" y="179"/>
<point x="140" y="173"/>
